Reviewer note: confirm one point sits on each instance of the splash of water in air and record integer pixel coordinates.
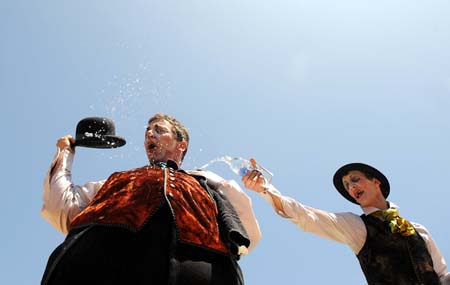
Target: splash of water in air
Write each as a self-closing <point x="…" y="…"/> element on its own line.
<point x="240" y="166"/>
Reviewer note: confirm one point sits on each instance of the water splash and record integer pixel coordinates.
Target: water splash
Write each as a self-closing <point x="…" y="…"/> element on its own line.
<point x="240" y="166"/>
<point x="126" y="96"/>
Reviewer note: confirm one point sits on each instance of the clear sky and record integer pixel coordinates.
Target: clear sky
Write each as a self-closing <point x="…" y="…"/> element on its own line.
<point x="303" y="86"/>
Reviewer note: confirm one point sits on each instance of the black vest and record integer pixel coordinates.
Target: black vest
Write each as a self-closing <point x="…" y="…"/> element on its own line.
<point x="388" y="258"/>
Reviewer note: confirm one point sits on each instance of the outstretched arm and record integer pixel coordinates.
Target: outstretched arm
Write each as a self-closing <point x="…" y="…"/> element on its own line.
<point x="346" y="228"/>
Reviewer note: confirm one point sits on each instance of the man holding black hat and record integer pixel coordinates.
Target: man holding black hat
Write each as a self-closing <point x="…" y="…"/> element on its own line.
<point x="390" y="249"/>
<point x="156" y="224"/>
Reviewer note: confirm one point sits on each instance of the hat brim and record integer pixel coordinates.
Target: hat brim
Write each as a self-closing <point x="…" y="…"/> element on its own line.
<point x="103" y="142"/>
<point x="341" y="172"/>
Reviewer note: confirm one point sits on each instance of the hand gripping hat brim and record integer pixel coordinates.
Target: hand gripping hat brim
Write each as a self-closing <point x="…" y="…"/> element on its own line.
<point x="97" y="132"/>
<point x="341" y="172"/>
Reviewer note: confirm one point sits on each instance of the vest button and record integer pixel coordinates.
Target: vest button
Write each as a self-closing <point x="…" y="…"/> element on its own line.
<point x="172" y="178"/>
<point x="170" y="194"/>
<point x="172" y="185"/>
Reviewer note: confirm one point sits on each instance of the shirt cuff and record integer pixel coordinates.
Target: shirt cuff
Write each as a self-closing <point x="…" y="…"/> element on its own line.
<point x="267" y="195"/>
<point x="242" y="250"/>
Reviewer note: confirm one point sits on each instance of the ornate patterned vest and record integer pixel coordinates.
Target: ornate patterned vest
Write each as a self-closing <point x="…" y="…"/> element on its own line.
<point x="388" y="258"/>
<point x="130" y="198"/>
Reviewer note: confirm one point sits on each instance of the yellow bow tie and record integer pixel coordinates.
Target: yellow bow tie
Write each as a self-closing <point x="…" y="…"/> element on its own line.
<point x="396" y="223"/>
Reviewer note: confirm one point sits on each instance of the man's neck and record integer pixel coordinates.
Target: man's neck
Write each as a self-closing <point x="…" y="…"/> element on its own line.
<point x="168" y="163"/>
<point x="375" y="207"/>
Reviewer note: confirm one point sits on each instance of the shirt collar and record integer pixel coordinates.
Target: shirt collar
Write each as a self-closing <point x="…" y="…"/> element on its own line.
<point x="369" y="210"/>
<point x="169" y="163"/>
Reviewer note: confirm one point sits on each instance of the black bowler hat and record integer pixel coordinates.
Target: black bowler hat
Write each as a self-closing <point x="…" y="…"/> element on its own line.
<point x="97" y="132"/>
<point x="341" y="172"/>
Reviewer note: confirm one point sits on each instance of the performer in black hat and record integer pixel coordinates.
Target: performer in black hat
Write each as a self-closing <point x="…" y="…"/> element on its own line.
<point x="390" y="249"/>
<point x="156" y="224"/>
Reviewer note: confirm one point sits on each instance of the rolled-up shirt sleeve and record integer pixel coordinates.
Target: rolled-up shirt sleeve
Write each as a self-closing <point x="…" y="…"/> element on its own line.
<point x="347" y="228"/>
<point x="63" y="200"/>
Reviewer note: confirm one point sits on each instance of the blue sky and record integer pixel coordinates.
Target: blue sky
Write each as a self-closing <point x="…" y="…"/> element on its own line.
<point x="303" y="86"/>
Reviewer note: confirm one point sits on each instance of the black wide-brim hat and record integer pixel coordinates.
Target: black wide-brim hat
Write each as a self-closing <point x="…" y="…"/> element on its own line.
<point x="341" y="172"/>
<point x="97" y="132"/>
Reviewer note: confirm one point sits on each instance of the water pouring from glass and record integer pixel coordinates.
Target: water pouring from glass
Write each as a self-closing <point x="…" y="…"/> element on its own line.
<point x="242" y="166"/>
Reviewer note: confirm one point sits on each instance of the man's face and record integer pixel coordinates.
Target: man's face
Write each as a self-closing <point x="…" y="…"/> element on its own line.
<point x="365" y="191"/>
<point x="161" y="142"/>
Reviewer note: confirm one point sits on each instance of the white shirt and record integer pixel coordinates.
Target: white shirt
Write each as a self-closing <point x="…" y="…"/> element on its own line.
<point x="347" y="228"/>
<point x="63" y="200"/>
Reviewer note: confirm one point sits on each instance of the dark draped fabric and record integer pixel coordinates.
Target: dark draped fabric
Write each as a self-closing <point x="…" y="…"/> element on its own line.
<point x="109" y="255"/>
<point x="152" y="225"/>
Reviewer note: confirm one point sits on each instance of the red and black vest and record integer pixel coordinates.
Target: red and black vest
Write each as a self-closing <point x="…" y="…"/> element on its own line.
<point x="130" y="198"/>
<point x="392" y="259"/>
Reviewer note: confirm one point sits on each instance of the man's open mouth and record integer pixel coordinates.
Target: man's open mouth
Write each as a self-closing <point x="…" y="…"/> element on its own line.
<point x="359" y="194"/>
